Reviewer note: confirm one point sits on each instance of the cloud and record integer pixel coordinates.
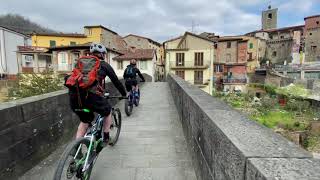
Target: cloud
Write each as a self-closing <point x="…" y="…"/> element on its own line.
<point x="156" y="19"/>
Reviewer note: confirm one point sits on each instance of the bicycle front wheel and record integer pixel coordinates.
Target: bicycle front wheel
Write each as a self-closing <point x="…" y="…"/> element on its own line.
<point x="72" y="161"/>
<point x="115" y="126"/>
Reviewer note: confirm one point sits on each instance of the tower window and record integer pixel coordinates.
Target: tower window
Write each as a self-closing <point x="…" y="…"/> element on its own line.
<point x="274" y="54"/>
<point x="317" y="22"/>
<point x="228" y="44"/>
<point x="270" y="15"/>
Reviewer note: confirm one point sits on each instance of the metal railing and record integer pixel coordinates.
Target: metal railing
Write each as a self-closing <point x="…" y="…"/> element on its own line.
<point x="234" y="80"/>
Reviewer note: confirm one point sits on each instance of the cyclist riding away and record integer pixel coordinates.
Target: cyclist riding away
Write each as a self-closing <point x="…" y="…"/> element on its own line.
<point x="130" y="75"/>
<point x="86" y="89"/>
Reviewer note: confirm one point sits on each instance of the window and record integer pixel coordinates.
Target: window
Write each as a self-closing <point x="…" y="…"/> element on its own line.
<point x="250" y="56"/>
<point x="251" y="45"/>
<point x="143" y="65"/>
<point x="215" y="45"/>
<point x="270" y="16"/>
<point x="120" y="65"/>
<point x="180" y="74"/>
<point x="317" y="22"/>
<point x="198" y="77"/>
<point x="281" y="37"/>
<point x="198" y="59"/>
<point x="228" y="57"/>
<point x="72" y="43"/>
<point x="218" y="68"/>
<point x="90" y="31"/>
<point x="229" y="45"/>
<point x="63" y="58"/>
<point x="283" y="44"/>
<point x="310" y="34"/>
<point x="274" y="53"/>
<point x="313" y="49"/>
<point x="179" y="59"/>
<point x="52" y="43"/>
<point x="25" y="42"/>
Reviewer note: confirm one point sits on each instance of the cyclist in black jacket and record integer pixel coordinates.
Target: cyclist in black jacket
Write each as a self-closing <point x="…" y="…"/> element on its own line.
<point x="93" y="98"/>
<point x="130" y="76"/>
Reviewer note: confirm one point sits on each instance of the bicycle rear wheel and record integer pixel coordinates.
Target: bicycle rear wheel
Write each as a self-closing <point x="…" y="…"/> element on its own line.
<point x="115" y="126"/>
<point x="72" y="161"/>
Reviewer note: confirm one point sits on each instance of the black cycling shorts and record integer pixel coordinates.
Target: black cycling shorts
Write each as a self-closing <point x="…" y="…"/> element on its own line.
<point x="91" y="101"/>
<point x="129" y="83"/>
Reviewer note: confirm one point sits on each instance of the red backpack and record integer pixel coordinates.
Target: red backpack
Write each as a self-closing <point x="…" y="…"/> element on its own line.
<point x="85" y="72"/>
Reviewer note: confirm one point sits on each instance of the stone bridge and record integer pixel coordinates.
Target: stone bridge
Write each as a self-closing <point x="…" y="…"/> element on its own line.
<point x="177" y="133"/>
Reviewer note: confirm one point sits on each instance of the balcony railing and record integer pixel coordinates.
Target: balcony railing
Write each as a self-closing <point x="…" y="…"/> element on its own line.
<point x="234" y="80"/>
<point x="189" y="65"/>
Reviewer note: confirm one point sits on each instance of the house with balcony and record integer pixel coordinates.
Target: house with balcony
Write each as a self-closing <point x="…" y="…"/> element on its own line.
<point x="191" y="56"/>
<point x="33" y="59"/>
<point x="65" y="57"/>
<point x="230" y="73"/>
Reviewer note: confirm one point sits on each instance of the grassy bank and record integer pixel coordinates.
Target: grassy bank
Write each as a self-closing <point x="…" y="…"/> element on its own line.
<point x="295" y="116"/>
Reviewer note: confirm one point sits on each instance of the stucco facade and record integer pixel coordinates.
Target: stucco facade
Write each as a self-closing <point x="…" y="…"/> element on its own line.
<point x="9" y="41"/>
<point x="97" y="34"/>
<point x="191" y="58"/>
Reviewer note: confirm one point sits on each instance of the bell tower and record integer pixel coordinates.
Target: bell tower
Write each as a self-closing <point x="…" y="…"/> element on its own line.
<point x="269" y="18"/>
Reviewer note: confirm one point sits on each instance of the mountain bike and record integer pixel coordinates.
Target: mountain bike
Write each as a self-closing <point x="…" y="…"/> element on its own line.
<point x="80" y="156"/>
<point x="133" y="99"/>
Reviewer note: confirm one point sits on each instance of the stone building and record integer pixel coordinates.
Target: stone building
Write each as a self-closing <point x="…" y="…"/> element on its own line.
<point x="312" y="38"/>
<point x="256" y="51"/>
<point x="140" y="42"/>
<point x="230" y="64"/>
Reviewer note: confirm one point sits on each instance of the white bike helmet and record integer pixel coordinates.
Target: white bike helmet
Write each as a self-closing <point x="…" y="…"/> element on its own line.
<point x="97" y="47"/>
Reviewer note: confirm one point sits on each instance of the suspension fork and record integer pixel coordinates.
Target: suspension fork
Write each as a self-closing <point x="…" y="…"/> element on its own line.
<point x="88" y="153"/>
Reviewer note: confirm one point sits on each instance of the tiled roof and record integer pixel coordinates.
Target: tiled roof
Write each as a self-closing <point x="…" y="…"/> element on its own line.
<point x="201" y="37"/>
<point x="155" y="42"/>
<point x="312" y="16"/>
<point x="61" y="34"/>
<point x="79" y="46"/>
<point x="139" y="54"/>
<point x="118" y="43"/>
<point x="31" y="49"/>
<point x="173" y="39"/>
<point x="278" y="29"/>
<point x="100" y="26"/>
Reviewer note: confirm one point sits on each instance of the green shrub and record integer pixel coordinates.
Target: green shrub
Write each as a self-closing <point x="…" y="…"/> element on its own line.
<point x="267" y="104"/>
<point x="297" y="105"/>
<point x="35" y="84"/>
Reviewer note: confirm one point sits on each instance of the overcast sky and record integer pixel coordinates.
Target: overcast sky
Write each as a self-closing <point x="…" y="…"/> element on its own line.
<point x="159" y="19"/>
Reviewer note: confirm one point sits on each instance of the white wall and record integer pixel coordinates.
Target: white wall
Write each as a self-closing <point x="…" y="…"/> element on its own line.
<point x="9" y="41"/>
<point x="150" y="67"/>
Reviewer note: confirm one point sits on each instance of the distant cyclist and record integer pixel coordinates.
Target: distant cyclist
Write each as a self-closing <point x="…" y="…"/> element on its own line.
<point x="130" y="76"/>
<point x="86" y="89"/>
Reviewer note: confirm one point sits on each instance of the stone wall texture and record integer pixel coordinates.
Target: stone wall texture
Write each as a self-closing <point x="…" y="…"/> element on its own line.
<point x="226" y="145"/>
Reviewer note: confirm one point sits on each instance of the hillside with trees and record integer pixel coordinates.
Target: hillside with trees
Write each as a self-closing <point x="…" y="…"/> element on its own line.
<point x="21" y="24"/>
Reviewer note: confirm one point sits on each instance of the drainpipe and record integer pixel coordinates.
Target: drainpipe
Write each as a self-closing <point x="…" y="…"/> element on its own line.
<point x="3" y="62"/>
